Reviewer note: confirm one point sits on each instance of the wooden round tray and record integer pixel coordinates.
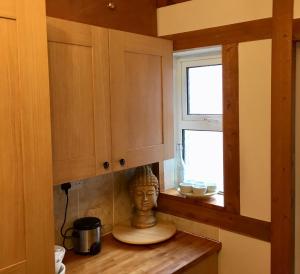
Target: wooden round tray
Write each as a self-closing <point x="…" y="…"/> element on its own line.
<point x="162" y="231"/>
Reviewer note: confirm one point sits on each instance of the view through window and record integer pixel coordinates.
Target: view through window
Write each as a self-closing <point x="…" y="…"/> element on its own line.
<point x="199" y="117"/>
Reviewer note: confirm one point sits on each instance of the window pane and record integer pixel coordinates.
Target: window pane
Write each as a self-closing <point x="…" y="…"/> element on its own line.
<point x="203" y="155"/>
<point x="205" y="90"/>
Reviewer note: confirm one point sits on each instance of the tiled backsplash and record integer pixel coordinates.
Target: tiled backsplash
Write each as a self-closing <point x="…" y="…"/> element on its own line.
<point x="105" y="197"/>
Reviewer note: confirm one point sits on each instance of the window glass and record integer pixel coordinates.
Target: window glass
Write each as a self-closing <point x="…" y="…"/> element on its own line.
<point x="203" y="156"/>
<point x="204" y="89"/>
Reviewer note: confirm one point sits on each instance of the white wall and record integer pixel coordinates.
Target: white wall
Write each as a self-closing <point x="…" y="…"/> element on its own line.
<point x="243" y="255"/>
<point x="296" y="11"/>
<point x="240" y="254"/>
<point x="255" y="128"/>
<point x="201" y="14"/>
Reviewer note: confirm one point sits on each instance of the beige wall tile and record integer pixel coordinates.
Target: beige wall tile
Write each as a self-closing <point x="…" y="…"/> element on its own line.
<point x="96" y="200"/>
<point x="122" y="202"/>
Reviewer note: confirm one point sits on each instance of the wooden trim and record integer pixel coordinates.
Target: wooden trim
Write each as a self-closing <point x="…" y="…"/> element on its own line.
<point x="230" y="63"/>
<point x="164" y="3"/>
<point x="36" y="135"/>
<point x="138" y="16"/>
<point x="296" y="29"/>
<point x="216" y="216"/>
<point x="282" y="189"/>
<point x="229" y="34"/>
<point x="19" y="267"/>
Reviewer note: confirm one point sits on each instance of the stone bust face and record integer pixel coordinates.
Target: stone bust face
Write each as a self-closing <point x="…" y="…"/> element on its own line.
<point x="144" y="193"/>
<point x="145" y="197"/>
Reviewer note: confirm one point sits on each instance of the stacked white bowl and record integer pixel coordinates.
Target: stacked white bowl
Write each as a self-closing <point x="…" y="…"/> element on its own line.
<point x="59" y="253"/>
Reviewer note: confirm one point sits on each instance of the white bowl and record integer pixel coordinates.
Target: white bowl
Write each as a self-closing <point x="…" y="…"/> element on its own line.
<point x="211" y="187"/>
<point x="195" y="183"/>
<point x="185" y="188"/>
<point x="199" y="189"/>
<point x="62" y="269"/>
<point x="59" y="253"/>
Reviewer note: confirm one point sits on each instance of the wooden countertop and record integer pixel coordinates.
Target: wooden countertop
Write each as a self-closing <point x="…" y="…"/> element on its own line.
<point x="172" y="256"/>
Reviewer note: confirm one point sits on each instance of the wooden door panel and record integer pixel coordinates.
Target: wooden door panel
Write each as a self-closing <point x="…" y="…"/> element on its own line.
<point x="141" y="99"/>
<point x="68" y="32"/>
<point x="19" y="268"/>
<point x="26" y="230"/>
<point x="79" y="81"/>
<point x="144" y="155"/>
<point x="144" y="120"/>
<point x="12" y="234"/>
<point x="8" y="9"/>
<point x="72" y="110"/>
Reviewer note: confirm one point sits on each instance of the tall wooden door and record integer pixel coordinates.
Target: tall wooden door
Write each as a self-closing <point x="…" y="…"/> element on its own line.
<point x="141" y="99"/>
<point x="26" y="226"/>
<point x="79" y="88"/>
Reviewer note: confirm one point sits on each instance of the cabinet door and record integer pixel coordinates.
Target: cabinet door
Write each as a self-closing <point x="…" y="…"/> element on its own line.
<point x="141" y="99"/>
<point x="79" y="86"/>
<point x="26" y="230"/>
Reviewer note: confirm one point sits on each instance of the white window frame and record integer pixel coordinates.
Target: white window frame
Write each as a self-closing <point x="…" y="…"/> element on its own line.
<point x="183" y="120"/>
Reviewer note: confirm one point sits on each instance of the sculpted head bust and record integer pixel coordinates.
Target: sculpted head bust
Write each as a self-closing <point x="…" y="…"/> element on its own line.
<point x="144" y="193"/>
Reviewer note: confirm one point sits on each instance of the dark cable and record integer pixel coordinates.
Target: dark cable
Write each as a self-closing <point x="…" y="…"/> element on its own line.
<point x="64" y="234"/>
<point x="65" y="217"/>
<point x="67" y="237"/>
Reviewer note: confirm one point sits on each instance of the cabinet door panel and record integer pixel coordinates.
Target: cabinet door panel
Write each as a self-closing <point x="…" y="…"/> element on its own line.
<point x="143" y="77"/>
<point x="79" y="86"/>
<point x="12" y="247"/>
<point x="71" y="85"/>
<point x="8" y="9"/>
<point x="141" y="99"/>
<point x="19" y="268"/>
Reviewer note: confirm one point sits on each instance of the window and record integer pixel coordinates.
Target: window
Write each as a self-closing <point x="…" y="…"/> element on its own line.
<point x="199" y="114"/>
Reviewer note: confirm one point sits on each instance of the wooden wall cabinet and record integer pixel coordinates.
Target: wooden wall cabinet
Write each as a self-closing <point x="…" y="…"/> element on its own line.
<point x="79" y="85"/>
<point x="111" y="99"/>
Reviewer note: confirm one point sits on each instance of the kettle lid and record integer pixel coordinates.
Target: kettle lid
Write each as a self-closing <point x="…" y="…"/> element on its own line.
<point x="87" y="223"/>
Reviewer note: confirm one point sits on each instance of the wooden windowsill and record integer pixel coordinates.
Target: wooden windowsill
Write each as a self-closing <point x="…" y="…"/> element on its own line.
<point x="214" y="201"/>
<point x="172" y="256"/>
<point x="211" y="214"/>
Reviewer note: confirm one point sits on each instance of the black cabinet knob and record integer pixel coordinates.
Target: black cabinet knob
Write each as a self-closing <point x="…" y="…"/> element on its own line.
<point x="122" y="162"/>
<point x="106" y="165"/>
